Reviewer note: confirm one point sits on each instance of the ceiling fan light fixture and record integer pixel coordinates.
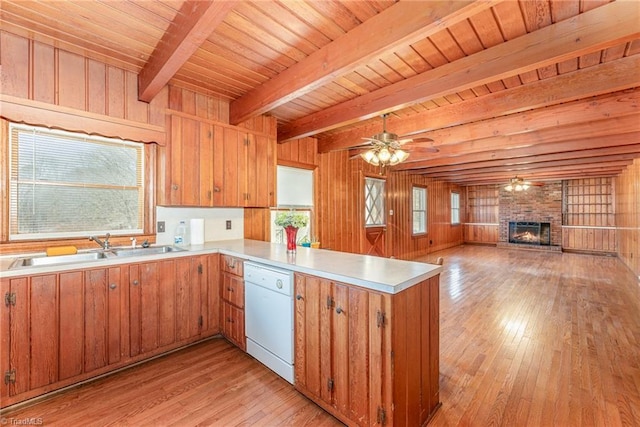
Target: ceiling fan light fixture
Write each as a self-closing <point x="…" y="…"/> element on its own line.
<point x="384" y="155"/>
<point x="371" y="157"/>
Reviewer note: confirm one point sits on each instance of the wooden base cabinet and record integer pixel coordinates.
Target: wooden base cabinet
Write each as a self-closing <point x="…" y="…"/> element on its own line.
<point x="367" y="357"/>
<point x="232" y="306"/>
<point x="61" y="328"/>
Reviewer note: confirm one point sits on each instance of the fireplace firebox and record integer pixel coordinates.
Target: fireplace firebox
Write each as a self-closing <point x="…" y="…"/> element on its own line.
<point x="530" y="233"/>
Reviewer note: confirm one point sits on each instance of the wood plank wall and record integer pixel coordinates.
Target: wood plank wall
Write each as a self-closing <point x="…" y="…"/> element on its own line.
<point x="588" y="215"/>
<point x="401" y="243"/>
<point x="627" y="190"/>
<point x="56" y="84"/>
<point x="481" y="218"/>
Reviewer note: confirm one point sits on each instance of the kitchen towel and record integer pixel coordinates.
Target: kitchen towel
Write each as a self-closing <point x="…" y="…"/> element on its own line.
<point x="62" y="250"/>
<point x="197" y="231"/>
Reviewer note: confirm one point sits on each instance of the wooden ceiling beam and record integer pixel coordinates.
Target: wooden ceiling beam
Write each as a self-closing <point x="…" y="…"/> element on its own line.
<point x="535" y="175"/>
<point x="543" y="142"/>
<point x="599" y="153"/>
<point x="194" y="22"/>
<point x="600" y="28"/>
<point x="585" y="109"/>
<point x="403" y="23"/>
<point x="532" y="167"/>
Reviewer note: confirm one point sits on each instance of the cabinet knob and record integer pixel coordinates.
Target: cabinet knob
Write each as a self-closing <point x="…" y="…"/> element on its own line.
<point x="230" y="289"/>
<point x="216" y="189"/>
<point x="174" y="187"/>
<point x="136" y="283"/>
<point x="112" y="286"/>
<point x="299" y="297"/>
<point x="339" y="310"/>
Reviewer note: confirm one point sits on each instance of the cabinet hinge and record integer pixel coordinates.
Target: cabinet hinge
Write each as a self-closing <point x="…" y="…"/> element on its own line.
<point x="10" y="298"/>
<point x="10" y="377"/>
<point x="381" y="319"/>
<point x="382" y="416"/>
<point x="200" y="321"/>
<point x="199" y="268"/>
<point x="330" y="384"/>
<point x="330" y="303"/>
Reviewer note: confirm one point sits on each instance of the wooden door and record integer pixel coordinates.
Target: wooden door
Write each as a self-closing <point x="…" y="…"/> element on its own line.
<point x="374" y="241"/>
<point x="189" y="284"/>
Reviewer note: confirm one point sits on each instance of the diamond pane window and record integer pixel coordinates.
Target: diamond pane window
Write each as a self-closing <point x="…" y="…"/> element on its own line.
<point x="65" y="184"/>
<point x="374" y="202"/>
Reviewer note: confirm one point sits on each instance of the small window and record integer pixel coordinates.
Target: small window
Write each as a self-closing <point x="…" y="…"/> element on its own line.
<point x="455" y="208"/>
<point x="65" y="184"/>
<point x="419" y="210"/>
<point x="374" y="202"/>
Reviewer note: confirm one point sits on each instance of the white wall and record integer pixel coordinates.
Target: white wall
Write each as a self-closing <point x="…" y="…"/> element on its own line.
<point x="214" y="222"/>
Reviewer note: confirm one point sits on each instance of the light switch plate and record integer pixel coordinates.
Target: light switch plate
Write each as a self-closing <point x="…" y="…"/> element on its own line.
<point x="160" y="226"/>
<point x="228" y="224"/>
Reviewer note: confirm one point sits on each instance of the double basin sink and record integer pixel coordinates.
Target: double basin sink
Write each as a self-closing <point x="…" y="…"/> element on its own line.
<point x="122" y="252"/>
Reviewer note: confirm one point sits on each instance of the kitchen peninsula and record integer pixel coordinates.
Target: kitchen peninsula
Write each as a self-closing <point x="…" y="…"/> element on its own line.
<point x="366" y="328"/>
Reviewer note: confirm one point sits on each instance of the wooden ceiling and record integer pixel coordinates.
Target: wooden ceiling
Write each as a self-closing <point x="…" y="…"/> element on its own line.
<point x="542" y="89"/>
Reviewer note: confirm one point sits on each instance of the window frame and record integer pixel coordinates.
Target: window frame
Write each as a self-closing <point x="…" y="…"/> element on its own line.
<point x="382" y="198"/>
<point x="425" y="189"/>
<point x="452" y="208"/>
<point x="144" y="179"/>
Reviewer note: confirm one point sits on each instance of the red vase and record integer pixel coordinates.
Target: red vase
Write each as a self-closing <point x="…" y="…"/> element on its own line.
<point x="292" y="233"/>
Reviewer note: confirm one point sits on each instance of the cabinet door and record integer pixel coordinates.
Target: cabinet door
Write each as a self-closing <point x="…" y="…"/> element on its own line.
<point x="231" y="157"/>
<point x="313" y="344"/>
<point x="261" y="169"/>
<point x="212" y="322"/>
<point x="190" y="280"/>
<point x="72" y="321"/>
<point x="5" y="289"/>
<point x="189" y="163"/>
<point x="144" y="307"/>
<point x="232" y="265"/>
<point x="233" y="324"/>
<point x="102" y="300"/>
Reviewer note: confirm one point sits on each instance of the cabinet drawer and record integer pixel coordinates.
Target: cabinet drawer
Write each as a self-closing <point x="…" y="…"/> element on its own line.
<point x="233" y="289"/>
<point x="231" y="265"/>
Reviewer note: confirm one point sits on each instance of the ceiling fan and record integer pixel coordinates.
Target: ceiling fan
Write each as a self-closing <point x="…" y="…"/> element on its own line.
<point x="519" y="184"/>
<point x="387" y="149"/>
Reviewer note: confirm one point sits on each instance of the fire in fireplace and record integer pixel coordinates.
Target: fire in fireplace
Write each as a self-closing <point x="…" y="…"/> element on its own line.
<point x="530" y="233"/>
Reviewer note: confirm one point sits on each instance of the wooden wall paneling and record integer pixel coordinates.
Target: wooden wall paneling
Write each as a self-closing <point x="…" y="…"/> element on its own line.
<point x="627" y="202"/>
<point x="257" y="224"/>
<point x="14" y="57"/>
<point x="480" y="219"/>
<point x="115" y="92"/>
<point x="96" y="88"/>
<point x="304" y="151"/>
<point x="44" y="85"/>
<point x="72" y="81"/>
<point x="589" y="215"/>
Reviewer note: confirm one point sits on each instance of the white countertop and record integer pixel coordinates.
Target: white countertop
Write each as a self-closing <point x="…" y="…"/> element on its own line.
<point x="371" y="272"/>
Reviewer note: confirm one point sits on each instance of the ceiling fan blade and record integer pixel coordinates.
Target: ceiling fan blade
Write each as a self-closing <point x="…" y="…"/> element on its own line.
<point x="418" y="149"/>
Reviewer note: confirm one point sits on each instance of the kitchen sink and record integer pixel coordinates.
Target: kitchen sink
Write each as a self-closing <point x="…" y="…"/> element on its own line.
<point x="123" y="252"/>
<point x="151" y="250"/>
<point x="41" y="260"/>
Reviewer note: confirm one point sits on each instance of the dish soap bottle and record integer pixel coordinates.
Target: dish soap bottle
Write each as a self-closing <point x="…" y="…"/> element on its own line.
<point x="180" y="236"/>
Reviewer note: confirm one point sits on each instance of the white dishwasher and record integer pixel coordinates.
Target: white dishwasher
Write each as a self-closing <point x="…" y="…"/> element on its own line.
<point x="268" y="309"/>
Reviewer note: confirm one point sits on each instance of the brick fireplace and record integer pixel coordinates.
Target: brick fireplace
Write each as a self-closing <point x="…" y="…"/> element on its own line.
<point x="538" y="204"/>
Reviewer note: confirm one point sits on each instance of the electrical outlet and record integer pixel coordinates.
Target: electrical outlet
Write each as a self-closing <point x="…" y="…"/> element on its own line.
<point x="228" y="224"/>
<point x="160" y="226"/>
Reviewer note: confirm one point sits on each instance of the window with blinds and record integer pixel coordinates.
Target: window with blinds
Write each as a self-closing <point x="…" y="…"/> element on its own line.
<point x="65" y="184"/>
<point x="419" y="210"/>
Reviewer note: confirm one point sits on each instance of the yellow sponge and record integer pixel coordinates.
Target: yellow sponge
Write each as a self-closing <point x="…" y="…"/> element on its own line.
<point x="62" y="250"/>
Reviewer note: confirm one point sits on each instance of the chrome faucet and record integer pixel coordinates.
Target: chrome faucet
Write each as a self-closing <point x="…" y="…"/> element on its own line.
<point x="105" y="244"/>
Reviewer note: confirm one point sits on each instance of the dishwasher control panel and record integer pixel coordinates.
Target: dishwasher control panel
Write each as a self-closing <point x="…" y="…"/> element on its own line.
<point x="272" y="278"/>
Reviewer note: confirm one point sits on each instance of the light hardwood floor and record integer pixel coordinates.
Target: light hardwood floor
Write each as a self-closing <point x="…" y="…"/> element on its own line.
<point x="527" y="339"/>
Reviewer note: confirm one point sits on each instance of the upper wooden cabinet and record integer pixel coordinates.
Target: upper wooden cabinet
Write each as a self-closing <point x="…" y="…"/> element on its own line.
<point x="214" y="165"/>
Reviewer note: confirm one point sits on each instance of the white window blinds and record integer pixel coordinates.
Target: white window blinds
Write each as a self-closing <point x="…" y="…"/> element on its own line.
<point x="65" y="184"/>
